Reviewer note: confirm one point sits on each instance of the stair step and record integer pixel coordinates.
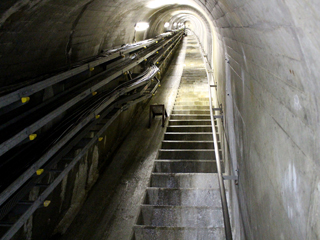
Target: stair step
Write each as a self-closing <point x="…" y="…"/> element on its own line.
<point x="187" y="154"/>
<point x="190" y="128"/>
<point x="187" y="145"/>
<point x="194" y="107"/>
<point x="186" y="166"/>
<point x="185" y="180"/>
<point x="197" y="80"/>
<point x="180" y="216"/>
<point x="191" y="99"/>
<point x="187" y="136"/>
<point x="190" y="122"/>
<point x="193" y="83"/>
<point x="193" y="89"/>
<point x="187" y="92"/>
<point x="193" y="103"/>
<point x="191" y="112"/>
<point x="194" y="72"/>
<point x="197" y="88"/>
<point x="174" y="233"/>
<point x="183" y="197"/>
<point x="192" y="95"/>
<point x="190" y="116"/>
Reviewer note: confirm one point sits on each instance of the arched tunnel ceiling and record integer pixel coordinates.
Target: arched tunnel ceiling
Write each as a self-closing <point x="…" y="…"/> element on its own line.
<point x="39" y="34"/>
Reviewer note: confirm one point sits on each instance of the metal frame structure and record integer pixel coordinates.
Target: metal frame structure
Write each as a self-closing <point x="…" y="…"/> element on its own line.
<point x="107" y="55"/>
<point x="22" y="135"/>
<point x="109" y="109"/>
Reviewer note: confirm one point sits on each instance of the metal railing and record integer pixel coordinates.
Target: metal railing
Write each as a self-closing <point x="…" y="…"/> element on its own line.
<point x="225" y="211"/>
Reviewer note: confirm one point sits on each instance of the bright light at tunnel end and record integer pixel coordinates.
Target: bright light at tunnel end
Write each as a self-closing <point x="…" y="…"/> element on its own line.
<point x="141" y="26"/>
<point x="166" y="25"/>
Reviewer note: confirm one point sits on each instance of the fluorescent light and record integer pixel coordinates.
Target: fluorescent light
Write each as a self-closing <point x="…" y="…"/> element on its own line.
<point x="175" y="25"/>
<point x="160" y="3"/>
<point x="141" y="26"/>
<point x="166" y="25"/>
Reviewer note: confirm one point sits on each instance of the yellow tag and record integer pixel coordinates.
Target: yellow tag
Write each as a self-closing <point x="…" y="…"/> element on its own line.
<point x="39" y="171"/>
<point x="94" y="93"/>
<point x="32" y="136"/>
<point x="146" y="59"/>
<point x="91" y="69"/>
<point x="97" y="116"/>
<point x="100" y="139"/>
<point x="25" y="99"/>
<point x="46" y="203"/>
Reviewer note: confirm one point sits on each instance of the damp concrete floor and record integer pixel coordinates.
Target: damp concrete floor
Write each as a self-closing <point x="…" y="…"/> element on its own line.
<point x="113" y="204"/>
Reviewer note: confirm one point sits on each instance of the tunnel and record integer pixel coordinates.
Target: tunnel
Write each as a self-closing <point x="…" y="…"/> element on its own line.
<point x="80" y="149"/>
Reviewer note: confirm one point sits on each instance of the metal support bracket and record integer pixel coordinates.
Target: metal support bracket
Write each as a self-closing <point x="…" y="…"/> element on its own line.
<point x="230" y="177"/>
<point x="218" y="116"/>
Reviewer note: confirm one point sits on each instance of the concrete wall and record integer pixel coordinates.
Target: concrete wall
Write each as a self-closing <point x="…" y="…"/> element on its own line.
<point x="267" y="73"/>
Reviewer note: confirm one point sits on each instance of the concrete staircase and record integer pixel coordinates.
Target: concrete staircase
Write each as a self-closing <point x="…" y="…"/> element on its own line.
<point x="183" y="200"/>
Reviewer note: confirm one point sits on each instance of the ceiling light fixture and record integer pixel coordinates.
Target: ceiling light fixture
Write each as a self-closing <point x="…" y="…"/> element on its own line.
<point x="141" y="26"/>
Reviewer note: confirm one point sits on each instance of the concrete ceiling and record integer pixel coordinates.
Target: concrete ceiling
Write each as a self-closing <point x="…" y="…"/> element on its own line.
<point x="265" y="55"/>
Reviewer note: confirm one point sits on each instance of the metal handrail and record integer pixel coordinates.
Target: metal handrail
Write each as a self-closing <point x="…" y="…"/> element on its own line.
<point x="225" y="211"/>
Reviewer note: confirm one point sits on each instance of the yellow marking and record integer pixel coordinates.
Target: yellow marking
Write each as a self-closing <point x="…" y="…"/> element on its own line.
<point x="46" y="203"/>
<point x="32" y="136"/>
<point x="39" y="171"/>
<point x="25" y="99"/>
